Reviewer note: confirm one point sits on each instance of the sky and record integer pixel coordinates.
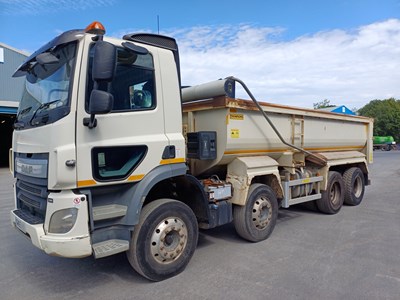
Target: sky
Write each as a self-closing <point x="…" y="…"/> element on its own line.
<point x="291" y="52"/>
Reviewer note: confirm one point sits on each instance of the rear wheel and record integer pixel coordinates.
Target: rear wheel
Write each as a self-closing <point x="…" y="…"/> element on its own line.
<point x="256" y="220"/>
<point x="332" y="198"/>
<point x="164" y="241"/>
<point x="354" y="186"/>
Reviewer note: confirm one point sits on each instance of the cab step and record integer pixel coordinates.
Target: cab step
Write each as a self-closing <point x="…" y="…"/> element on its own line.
<point x="109" y="212"/>
<point x="110" y="247"/>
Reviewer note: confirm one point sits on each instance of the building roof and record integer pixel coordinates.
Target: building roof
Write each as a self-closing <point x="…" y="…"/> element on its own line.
<point x="2" y="45"/>
<point x="339" y="110"/>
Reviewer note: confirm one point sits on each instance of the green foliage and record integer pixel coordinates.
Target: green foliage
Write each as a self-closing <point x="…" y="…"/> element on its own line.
<point x="323" y="104"/>
<point x="386" y="114"/>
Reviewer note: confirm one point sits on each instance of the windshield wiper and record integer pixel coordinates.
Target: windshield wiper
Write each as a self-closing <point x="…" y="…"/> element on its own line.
<point x="24" y="111"/>
<point x="40" y="108"/>
<point x="19" y="124"/>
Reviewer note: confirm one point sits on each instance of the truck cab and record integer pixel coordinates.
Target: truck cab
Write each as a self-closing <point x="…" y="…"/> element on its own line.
<point x="74" y="177"/>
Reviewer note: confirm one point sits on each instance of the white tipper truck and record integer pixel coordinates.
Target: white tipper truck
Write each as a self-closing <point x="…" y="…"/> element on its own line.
<point x="111" y="155"/>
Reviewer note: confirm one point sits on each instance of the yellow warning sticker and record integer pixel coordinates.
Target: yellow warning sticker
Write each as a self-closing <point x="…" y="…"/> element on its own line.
<point x="237" y="117"/>
<point x="235" y="133"/>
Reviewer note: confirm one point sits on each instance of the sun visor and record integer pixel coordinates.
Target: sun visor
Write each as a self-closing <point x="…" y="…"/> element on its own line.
<point x="64" y="38"/>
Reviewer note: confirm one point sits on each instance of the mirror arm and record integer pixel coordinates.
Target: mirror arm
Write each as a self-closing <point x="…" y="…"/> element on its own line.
<point x="90" y="122"/>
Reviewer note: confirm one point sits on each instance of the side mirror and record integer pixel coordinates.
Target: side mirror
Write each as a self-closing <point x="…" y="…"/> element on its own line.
<point x="103" y="70"/>
<point x="101" y="102"/>
<point x="104" y="61"/>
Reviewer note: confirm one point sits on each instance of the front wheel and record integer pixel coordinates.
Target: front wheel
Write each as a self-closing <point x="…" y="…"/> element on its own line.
<point x="164" y="241"/>
<point x="256" y="220"/>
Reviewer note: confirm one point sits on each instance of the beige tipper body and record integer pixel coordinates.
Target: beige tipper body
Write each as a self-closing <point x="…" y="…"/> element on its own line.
<point x="248" y="147"/>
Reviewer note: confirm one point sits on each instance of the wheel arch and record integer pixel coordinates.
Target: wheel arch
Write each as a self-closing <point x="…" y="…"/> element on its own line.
<point x="184" y="188"/>
<point x="273" y="182"/>
<point x="340" y="162"/>
<point x="361" y="165"/>
<point x="140" y="191"/>
<point x="244" y="171"/>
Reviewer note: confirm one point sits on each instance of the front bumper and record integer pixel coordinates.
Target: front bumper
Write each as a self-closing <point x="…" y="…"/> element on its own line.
<point x="74" y="244"/>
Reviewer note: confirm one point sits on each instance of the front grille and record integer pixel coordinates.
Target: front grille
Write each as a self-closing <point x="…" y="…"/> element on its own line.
<point x="29" y="188"/>
<point x="32" y="198"/>
<point x="29" y="202"/>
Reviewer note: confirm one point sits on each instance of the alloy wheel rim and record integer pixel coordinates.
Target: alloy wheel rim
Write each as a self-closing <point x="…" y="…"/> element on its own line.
<point x="168" y="240"/>
<point x="261" y="213"/>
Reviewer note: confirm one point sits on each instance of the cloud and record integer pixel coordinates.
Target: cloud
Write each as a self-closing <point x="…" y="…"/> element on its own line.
<point x="349" y="67"/>
<point x="36" y="7"/>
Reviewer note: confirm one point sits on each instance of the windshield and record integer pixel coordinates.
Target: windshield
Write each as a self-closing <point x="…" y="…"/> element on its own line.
<point x="46" y="95"/>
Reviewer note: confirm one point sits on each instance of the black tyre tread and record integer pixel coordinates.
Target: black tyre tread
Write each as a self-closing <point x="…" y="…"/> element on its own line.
<point x="239" y="217"/>
<point x="132" y="254"/>
<point x="348" y="179"/>
<point x="324" y="204"/>
<point x="240" y="220"/>
<point x="146" y="211"/>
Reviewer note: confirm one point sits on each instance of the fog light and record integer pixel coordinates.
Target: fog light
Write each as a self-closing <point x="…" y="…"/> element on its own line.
<point x="63" y="220"/>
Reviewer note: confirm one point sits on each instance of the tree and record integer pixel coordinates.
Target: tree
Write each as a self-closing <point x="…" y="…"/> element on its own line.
<point x="323" y="104"/>
<point x="386" y="114"/>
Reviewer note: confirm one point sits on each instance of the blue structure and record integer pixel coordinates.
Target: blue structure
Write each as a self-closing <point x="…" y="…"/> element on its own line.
<point x="339" y="110"/>
<point x="10" y="94"/>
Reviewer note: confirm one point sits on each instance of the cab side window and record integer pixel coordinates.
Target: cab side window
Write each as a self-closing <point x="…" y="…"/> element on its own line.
<point x="133" y="85"/>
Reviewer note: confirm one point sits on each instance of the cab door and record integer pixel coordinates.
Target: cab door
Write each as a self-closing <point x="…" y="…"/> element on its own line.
<point x="128" y="142"/>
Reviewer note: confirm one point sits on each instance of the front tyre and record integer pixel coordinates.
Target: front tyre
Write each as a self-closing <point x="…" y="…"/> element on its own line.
<point x="164" y="241"/>
<point x="256" y="220"/>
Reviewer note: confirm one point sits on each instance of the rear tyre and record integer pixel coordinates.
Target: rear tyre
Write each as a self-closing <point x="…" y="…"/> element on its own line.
<point x="256" y="220"/>
<point x="354" y="186"/>
<point x="164" y="241"/>
<point x="333" y="197"/>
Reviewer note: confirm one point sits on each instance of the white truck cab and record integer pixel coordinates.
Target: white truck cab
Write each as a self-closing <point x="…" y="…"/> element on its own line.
<point x="60" y="159"/>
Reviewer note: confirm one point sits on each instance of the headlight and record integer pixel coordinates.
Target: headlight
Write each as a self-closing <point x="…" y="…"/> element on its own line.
<point x="63" y="220"/>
